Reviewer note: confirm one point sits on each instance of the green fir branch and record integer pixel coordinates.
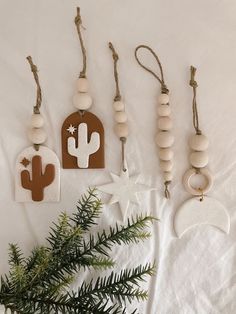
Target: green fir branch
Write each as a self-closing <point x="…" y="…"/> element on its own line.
<point x="40" y="284"/>
<point x="118" y="286"/>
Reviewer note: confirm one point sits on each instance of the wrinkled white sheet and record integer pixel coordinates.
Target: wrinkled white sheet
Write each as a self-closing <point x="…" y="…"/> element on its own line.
<point x="196" y="274"/>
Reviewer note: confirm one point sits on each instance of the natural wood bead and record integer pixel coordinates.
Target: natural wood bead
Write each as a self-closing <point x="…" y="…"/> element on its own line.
<point x="167" y="176"/>
<point x="198" y="142"/>
<point x="82" y="101"/>
<point x="82" y="85"/>
<point x="166" y="165"/>
<point x="164" y="139"/>
<point x="120" y="117"/>
<point x="165" y="153"/>
<point x="121" y="130"/>
<point x="163" y="110"/>
<point x="164" y="123"/>
<point x="163" y="99"/>
<point x="37" y="120"/>
<point x="199" y="159"/>
<point x="37" y="136"/>
<point x="118" y="105"/>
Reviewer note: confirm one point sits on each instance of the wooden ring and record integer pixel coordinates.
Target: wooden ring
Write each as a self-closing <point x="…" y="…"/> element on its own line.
<point x="201" y="191"/>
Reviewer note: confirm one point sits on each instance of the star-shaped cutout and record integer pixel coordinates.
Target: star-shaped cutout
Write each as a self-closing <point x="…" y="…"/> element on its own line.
<point x="25" y="162"/>
<point x="71" y="129"/>
<point x="124" y="189"/>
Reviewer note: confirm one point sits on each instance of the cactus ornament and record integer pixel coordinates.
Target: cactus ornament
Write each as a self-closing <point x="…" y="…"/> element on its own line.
<point x="39" y="179"/>
<point x="37" y="167"/>
<point x="82" y="132"/>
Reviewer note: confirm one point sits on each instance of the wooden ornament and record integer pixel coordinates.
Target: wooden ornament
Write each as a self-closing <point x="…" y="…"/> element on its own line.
<point x="200" y="209"/>
<point x="82" y="141"/>
<point x="37" y="175"/>
<point x="37" y="169"/>
<point x="164" y="138"/>
<point x="82" y="132"/>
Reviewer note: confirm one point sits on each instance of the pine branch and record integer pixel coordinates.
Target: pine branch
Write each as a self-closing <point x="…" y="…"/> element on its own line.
<point x="70" y="264"/>
<point x="33" y="303"/>
<point x="39" y="284"/>
<point x="132" y="233"/>
<point x="118" y="286"/>
<point x="15" y="255"/>
<point x="88" y="209"/>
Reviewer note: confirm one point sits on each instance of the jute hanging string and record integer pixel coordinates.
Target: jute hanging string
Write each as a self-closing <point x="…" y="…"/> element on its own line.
<point x="36" y="78"/>
<point x="164" y="90"/>
<point x="78" y="23"/>
<point x="118" y="98"/>
<point x="161" y="80"/>
<point x="194" y="85"/>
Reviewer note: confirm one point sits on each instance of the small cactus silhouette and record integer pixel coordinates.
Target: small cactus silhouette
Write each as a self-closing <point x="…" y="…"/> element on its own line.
<point x="39" y="179"/>
<point x="84" y="148"/>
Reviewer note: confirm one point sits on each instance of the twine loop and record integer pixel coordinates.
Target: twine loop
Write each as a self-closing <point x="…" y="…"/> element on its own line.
<point x="115" y="57"/>
<point x="194" y="85"/>
<point x="34" y="70"/>
<point x="159" y="78"/>
<point x="78" y="23"/>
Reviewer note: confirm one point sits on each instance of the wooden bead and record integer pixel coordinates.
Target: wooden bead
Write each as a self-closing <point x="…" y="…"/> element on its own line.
<point x="198" y="142"/>
<point x="118" y="105"/>
<point x="163" y="99"/>
<point x="121" y="130"/>
<point x="164" y="139"/>
<point x="165" y="153"/>
<point x="166" y="165"/>
<point x="82" y="101"/>
<point x="167" y="176"/>
<point x="164" y="123"/>
<point x="163" y="110"/>
<point x="37" y="120"/>
<point x="82" y="85"/>
<point x="37" y="136"/>
<point x="199" y="159"/>
<point x="120" y="117"/>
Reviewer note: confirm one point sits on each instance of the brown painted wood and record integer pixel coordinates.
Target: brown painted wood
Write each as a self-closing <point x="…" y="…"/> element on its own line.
<point x="39" y="179"/>
<point x="97" y="159"/>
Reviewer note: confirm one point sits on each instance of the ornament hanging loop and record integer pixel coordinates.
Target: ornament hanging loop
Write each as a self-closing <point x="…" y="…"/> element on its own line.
<point x="36" y="78"/>
<point x="78" y="23"/>
<point x="194" y="85"/>
<point x="115" y="59"/>
<point x="160" y="78"/>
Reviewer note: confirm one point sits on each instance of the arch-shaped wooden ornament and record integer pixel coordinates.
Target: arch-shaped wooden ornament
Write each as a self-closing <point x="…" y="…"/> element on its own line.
<point x="37" y="176"/>
<point x="82" y="141"/>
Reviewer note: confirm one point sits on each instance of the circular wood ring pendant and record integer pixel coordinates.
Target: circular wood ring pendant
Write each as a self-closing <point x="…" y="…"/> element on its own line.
<point x="192" y="172"/>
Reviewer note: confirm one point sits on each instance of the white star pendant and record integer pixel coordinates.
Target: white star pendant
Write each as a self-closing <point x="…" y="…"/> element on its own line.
<point x="71" y="129"/>
<point x="124" y="189"/>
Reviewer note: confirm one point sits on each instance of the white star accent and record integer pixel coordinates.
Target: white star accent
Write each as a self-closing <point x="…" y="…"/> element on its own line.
<point x="71" y="129"/>
<point x="124" y="189"/>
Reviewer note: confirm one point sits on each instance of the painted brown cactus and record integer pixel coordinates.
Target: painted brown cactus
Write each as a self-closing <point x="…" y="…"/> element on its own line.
<point x="39" y="180"/>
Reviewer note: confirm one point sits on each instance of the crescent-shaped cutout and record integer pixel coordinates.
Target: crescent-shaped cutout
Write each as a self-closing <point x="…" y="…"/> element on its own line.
<point x="194" y="212"/>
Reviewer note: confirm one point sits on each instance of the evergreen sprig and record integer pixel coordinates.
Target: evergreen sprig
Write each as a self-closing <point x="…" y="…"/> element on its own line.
<point x="40" y="283"/>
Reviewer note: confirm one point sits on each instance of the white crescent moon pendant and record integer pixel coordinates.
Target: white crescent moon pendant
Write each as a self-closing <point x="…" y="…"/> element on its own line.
<point x="194" y="212"/>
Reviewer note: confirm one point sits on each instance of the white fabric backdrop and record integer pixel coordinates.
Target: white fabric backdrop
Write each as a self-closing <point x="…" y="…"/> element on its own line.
<point x="198" y="273"/>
